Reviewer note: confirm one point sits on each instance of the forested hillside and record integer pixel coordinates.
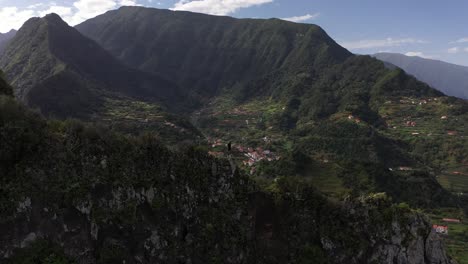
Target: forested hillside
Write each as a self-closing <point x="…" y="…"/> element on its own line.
<point x="212" y="139"/>
<point x="66" y="75"/>
<point x="71" y="193"/>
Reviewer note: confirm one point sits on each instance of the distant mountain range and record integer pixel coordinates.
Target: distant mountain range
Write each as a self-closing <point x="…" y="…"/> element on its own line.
<point x="448" y="78"/>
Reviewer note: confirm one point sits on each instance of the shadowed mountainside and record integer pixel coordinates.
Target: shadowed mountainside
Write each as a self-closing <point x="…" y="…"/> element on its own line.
<point x="5" y="38"/>
<point x="72" y="193"/>
<point x="55" y="68"/>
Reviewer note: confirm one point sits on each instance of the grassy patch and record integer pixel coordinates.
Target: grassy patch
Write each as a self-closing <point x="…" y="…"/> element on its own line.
<point x="456" y="242"/>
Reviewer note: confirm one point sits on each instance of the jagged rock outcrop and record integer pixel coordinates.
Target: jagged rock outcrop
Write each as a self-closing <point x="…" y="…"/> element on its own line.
<point x="217" y="223"/>
<point x="139" y="225"/>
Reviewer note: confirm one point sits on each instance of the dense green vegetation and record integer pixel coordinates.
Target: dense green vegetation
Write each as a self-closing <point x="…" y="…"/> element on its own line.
<point x="339" y="120"/>
<point x="316" y="132"/>
<point x="78" y="176"/>
<point x="457" y="240"/>
<point x="70" y="76"/>
<point x="5" y="88"/>
<point x="205" y="54"/>
<point x="87" y="68"/>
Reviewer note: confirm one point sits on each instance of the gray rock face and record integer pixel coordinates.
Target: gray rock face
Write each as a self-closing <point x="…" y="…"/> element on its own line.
<point x="5" y="38"/>
<point x="146" y="224"/>
<point x="218" y="217"/>
<point x="420" y="249"/>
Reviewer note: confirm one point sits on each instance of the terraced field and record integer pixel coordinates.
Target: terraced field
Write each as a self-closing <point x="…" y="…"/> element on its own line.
<point x="455" y="179"/>
<point x="438" y="133"/>
<point x="431" y="117"/>
<point x="136" y="117"/>
<point x="457" y="239"/>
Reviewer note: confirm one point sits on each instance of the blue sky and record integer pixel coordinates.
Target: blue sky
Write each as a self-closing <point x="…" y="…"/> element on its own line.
<point x="428" y="28"/>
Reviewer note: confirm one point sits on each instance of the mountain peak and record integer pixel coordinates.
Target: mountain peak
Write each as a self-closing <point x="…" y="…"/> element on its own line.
<point x="65" y="59"/>
<point x="35" y="23"/>
<point x="53" y="17"/>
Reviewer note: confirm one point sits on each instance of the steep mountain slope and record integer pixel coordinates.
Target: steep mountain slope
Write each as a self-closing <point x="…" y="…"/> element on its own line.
<point x="47" y="57"/>
<point x="448" y="78"/>
<point x="290" y="100"/>
<point x="248" y="58"/>
<point x="5" y="38"/>
<point x="207" y="53"/>
<point x="66" y="75"/>
<point x="5" y="88"/>
<point x="70" y="193"/>
<point x="284" y="87"/>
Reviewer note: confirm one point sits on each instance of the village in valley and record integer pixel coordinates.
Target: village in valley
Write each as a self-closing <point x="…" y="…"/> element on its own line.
<point x="246" y="128"/>
<point x="249" y="156"/>
<point x="254" y="139"/>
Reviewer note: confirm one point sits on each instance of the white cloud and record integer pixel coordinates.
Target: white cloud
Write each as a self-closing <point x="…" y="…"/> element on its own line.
<point x="456" y="50"/>
<point x="380" y="43"/>
<point x="462" y="40"/>
<point x="12" y="17"/>
<point x="418" y="54"/>
<point x="303" y="18"/>
<point x="62" y="11"/>
<point x="414" y="53"/>
<point x="75" y="13"/>
<point x="217" y="7"/>
<point x="34" y="6"/>
<point x="87" y="9"/>
<point x="129" y="3"/>
<point x="453" y="50"/>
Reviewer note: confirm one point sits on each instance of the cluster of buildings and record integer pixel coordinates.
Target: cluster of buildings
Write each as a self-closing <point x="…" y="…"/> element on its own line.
<point x="253" y="155"/>
<point x="257" y="155"/>
<point x="417" y="102"/>
<point x="401" y="168"/>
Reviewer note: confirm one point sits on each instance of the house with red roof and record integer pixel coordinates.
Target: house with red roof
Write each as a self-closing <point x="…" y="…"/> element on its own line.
<point x="440" y="229"/>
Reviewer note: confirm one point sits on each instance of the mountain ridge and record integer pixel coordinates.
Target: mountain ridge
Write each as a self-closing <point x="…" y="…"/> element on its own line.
<point x="5" y="37"/>
<point x="60" y="50"/>
<point x="248" y="58"/>
<point x="449" y="78"/>
<point x="221" y="59"/>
